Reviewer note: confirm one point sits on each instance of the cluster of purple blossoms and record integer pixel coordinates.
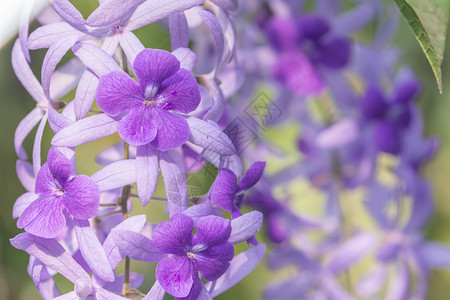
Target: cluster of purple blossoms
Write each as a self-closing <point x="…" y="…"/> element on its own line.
<point x="359" y="145"/>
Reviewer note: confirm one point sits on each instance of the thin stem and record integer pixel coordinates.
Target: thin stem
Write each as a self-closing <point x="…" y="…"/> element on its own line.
<point x="153" y="198"/>
<point x="95" y="111"/>
<point x="126" y="191"/>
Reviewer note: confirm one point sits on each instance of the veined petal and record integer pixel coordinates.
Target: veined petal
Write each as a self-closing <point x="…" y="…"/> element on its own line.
<point x="245" y="226"/>
<point x="136" y="246"/>
<point x="26" y="175"/>
<point x="59" y="165"/>
<point x="179" y="31"/>
<point x="174" y="237"/>
<point x="214" y="261"/>
<point x="45" y="36"/>
<point x="66" y="78"/>
<point x="68" y="12"/>
<point x="252" y="175"/>
<point x="118" y="92"/>
<point x="108" y="14"/>
<point x="81" y="197"/>
<point x="116" y="175"/>
<point x="85" y="94"/>
<point x="212" y="231"/>
<point x="95" y="58"/>
<point x="226" y="4"/>
<point x="180" y="92"/>
<point x="173" y="130"/>
<point x="139" y="126"/>
<point x="22" y="203"/>
<point x="186" y="57"/>
<point x="146" y="172"/>
<point x="131" y="45"/>
<point x="37" y="144"/>
<point x="153" y="66"/>
<point x="157" y="292"/>
<point x="217" y="33"/>
<point x="175" y="274"/>
<point x="175" y="183"/>
<point x="44" y="217"/>
<point x="44" y="180"/>
<point x="24" y="128"/>
<point x="224" y="189"/>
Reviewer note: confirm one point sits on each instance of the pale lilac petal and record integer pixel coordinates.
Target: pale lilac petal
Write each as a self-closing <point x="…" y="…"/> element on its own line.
<point x="131" y="45"/>
<point x="37" y="145"/>
<point x="224" y="189"/>
<point x="252" y="175"/>
<point x="136" y="281"/>
<point x="42" y="279"/>
<point x="116" y="175"/>
<point x="45" y="36"/>
<point x="103" y="294"/>
<point x="69" y="296"/>
<point x="81" y="197"/>
<point x="208" y="135"/>
<point x="181" y="92"/>
<point x="245" y="226"/>
<point x="25" y="74"/>
<point x="349" y="252"/>
<point x="179" y="31"/>
<point x="174" y="237"/>
<point x="217" y="33"/>
<point x="118" y="92"/>
<point x="108" y="14"/>
<point x="436" y="255"/>
<point x="204" y="295"/>
<point x="173" y="130"/>
<point x="175" y="183"/>
<point x="355" y="19"/>
<point x="52" y="254"/>
<point x="153" y="66"/>
<point x="150" y="11"/>
<point x="68" y="12"/>
<point x="136" y="246"/>
<point x="186" y="57"/>
<point x="22" y="203"/>
<point x="134" y="223"/>
<point x="95" y="58"/>
<point x="334" y="289"/>
<point x="92" y="251"/>
<point x="24" y="26"/>
<point x="43" y="217"/>
<point x="147" y="171"/>
<point x="241" y="265"/>
<point x="226" y="4"/>
<point x="57" y="121"/>
<point x="198" y="211"/>
<point x="85" y="94"/>
<point x="157" y="292"/>
<point x="217" y="109"/>
<point x="54" y="55"/>
<point x="338" y="134"/>
<point x="175" y="275"/>
<point x="214" y="261"/>
<point x="24" y="128"/>
<point x="212" y="231"/>
<point x="373" y="282"/>
<point x="399" y="284"/>
<point x="139" y="126"/>
<point x="25" y="174"/>
<point x="85" y="131"/>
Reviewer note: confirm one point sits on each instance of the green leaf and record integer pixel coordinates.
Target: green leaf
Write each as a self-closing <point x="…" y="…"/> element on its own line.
<point x="428" y="20"/>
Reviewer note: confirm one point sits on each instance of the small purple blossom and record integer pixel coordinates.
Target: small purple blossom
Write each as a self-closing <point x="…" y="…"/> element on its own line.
<point x="59" y="193"/>
<point x="163" y="89"/>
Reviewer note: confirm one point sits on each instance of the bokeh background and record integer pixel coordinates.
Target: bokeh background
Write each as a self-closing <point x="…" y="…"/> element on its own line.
<point x="15" y="103"/>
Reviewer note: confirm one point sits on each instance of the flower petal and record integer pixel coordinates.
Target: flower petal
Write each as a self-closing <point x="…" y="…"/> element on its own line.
<point x="156" y="292"/>
<point x="116" y="175"/>
<point x="214" y="261"/>
<point x="174" y="237"/>
<point x="131" y="45"/>
<point x="82" y="197"/>
<point x="45" y="36"/>
<point x="212" y="231"/>
<point x="173" y="130"/>
<point x="175" y="274"/>
<point x="146" y="172"/>
<point x="22" y="203"/>
<point x="85" y="94"/>
<point x="186" y="57"/>
<point x="139" y="126"/>
<point x="108" y="14"/>
<point x="25" y="174"/>
<point x="181" y="92"/>
<point x="224" y="189"/>
<point x="179" y="31"/>
<point x="44" y="217"/>
<point x="68" y="12"/>
<point x="252" y="176"/>
<point x="153" y="66"/>
<point x="136" y="246"/>
<point x="59" y="165"/>
<point x="118" y="92"/>
<point x="245" y="226"/>
<point x="44" y="180"/>
<point x="95" y="58"/>
<point x="24" y="128"/>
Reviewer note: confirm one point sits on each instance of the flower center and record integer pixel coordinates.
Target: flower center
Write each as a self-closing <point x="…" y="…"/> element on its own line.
<point x="190" y="255"/>
<point x="59" y="192"/>
<point x="149" y="103"/>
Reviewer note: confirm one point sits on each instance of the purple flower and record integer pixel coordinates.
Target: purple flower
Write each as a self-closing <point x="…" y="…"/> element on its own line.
<point x="208" y="252"/>
<point x="163" y="88"/>
<point x="228" y="194"/>
<point x="59" y="193"/>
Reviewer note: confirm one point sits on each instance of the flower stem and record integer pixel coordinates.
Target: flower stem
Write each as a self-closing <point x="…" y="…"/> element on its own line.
<point x="126" y="190"/>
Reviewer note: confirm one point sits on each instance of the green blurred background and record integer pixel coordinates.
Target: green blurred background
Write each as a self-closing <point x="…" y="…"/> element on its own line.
<point x="16" y="103"/>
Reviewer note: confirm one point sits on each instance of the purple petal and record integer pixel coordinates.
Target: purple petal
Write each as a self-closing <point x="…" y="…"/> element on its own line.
<point x="96" y="59"/>
<point x="46" y="36"/>
<point x="44" y="217"/>
<point x="44" y="180"/>
<point x="22" y="203"/>
<point x="400" y="284"/>
<point x="24" y="128"/>
<point x="58" y="121"/>
<point x="245" y="227"/>
<point x="173" y="130"/>
<point x="68" y="12"/>
<point x="208" y="135"/>
<point x="436" y="255"/>
<point x="224" y="189"/>
<point x="336" y="53"/>
<point x="37" y="144"/>
<point x="146" y="172"/>
<point x="216" y="30"/>
<point x="179" y="31"/>
<point x="136" y="246"/>
<point x="81" y="197"/>
<point x="174" y="237"/>
<point x="116" y="175"/>
<point x="241" y="265"/>
<point x="181" y="92"/>
<point x="226" y="4"/>
<point x="175" y="183"/>
<point x="387" y="137"/>
<point x="217" y="109"/>
<point x="25" y="174"/>
<point x="372" y="283"/>
<point x="373" y="105"/>
<point x="156" y="292"/>
<point x="85" y="131"/>
<point x="54" y="55"/>
<point x="338" y="135"/>
<point x="92" y="251"/>
<point x="186" y="57"/>
<point x="214" y="261"/>
<point x="59" y="165"/>
<point x="139" y="126"/>
<point x="252" y="176"/>
<point x="52" y="254"/>
<point x="175" y="274"/>
<point x="198" y="211"/>
<point x="108" y="14"/>
<point x="334" y="289"/>
<point x="153" y="66"/>
<point x="25" y="74"/>
<point x="43" y="281"/>
<point x="212" y="231"/>
<point x="150" y="12"/>
<point x="103" y="294"/>
<point x="85" y="95"/>
<point x="131" y="45"/>
<point x="118" y="92"/>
